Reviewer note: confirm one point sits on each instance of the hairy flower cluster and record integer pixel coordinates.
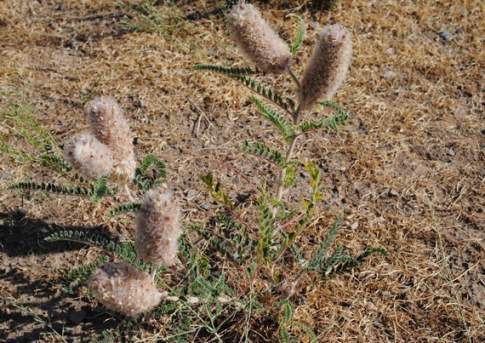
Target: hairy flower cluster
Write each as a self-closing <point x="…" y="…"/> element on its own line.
<point x="158" y="228"/>
<point x="111" y="128"/>
<point x="92" y="158"/>
<point x="257" y="40"/>
<point x="327" y="67"/>
<point x="122" y="288"/>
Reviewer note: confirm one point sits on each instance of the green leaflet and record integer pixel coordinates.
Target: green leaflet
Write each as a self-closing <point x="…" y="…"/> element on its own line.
<point x="97" y="190"/>
<point x="285" y="103"/>
<point x="266" y="228"/>
<point x="228" y="71"/>
<point x="279" y="121"/>
<point x="327" y="242"/>
<point x="217" y="191"/>
<point x="240" y="74"/>
<point x="151" y="173"/>
<point x="315" y="179"/>
<point x="290" y="174"/>
<point x="84" y="237"/>
<point x="236" y="234"/>
<point x="145" y="17"/>
<point x="124" y="250"/>
<point x="299" y="36"/>
<point x="50" y="187"/>
<point x="339" y="261"/>
<point x="262" y="150"/>
<point x="101" y="189"/>
<point x="332" y="122"/>
<point x="81" y="274"/>
<point x="125" y="208"/>
<point x="55" y="162"/>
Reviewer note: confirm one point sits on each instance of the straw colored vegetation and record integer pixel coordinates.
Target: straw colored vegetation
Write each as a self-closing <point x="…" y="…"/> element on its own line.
<point x="406" y="173"/>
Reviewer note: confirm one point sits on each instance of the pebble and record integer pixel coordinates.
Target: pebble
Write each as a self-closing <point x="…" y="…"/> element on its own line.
<point x="393" y="193"/>
<point x="389" y="74"/>
<point x="391" y="51"/>
<point x="445" y="35"/>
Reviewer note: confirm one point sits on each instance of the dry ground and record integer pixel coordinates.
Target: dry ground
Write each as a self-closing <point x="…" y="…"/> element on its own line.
<point x="408" y="170"/>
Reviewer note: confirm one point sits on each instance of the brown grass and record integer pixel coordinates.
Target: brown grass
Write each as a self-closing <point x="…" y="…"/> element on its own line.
<point x="408" y="170"/>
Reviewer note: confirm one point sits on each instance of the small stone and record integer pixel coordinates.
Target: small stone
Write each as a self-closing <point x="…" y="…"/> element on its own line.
<point x="190" y="194"/>
<point x="451" y="152"/>
<point x="389" y="74"/>
<point x="445" y="35"/>
<point x="224" y="299"/>
<point x="354" y="226"/>
<point x="393" y="193"/>
<point x="192" y="300"/>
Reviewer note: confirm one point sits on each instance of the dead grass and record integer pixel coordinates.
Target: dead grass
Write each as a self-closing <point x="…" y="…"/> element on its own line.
<point x="408" y="170"/>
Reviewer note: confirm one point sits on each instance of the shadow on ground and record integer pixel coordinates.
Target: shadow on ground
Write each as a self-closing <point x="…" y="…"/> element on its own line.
<point x="44" y="309"/>
<point x="23" y="236"/>
<point x="47" y="312"/>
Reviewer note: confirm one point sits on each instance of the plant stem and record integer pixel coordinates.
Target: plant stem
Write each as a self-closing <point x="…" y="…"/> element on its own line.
<point x="281" y="178"/>
<point x="293" y="76"/>
<point x="296" y="114"/>
<point x="288" y="157"/>
<point x="130" y="196"/>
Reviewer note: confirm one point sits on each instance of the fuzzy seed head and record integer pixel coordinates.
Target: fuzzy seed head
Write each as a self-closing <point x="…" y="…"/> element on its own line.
<point x="111" y="128"/>
<point x="89" y="156"/>
<point x="122" y="288"/>
<point x="158" y="228"/>
<point x="257" y="40"/>
<point x="327" y="67"/>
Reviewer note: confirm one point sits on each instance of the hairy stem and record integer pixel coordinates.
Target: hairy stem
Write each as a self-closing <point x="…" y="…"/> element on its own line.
<point x="293" y="76"/>
<point x="129" y="195"/>
<point x="281" y="178"/>
<point x="288" y="157"/>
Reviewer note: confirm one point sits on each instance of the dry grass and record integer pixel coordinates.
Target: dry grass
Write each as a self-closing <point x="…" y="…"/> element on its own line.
<point x="408" y="170"/>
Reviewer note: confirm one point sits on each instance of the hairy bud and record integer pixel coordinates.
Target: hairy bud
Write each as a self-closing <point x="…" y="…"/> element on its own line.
<point x="89" y="156"/>
<point x="122" y="288"/>
<point x="111" y="128"/>
<point x="158" y="228"/>
<point x="327" y="67"/>
<point x="257" y="40"/>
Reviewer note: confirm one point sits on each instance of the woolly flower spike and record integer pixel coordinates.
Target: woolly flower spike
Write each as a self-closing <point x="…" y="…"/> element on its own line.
<point x="111" y="128"/>
<point x="92" y="158"/>
<point x="158" y="228"/>
<point x="122" y="288"/>
<point x="257" y="40"/>
<point x="327" y="67"/>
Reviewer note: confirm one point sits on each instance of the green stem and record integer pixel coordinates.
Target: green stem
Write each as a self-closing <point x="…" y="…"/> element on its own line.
<point x="288" y="157"/>
<point x="281" y="178"/>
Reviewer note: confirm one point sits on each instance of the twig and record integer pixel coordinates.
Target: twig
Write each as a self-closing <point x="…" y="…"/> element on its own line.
<point x="293" y="76"/>
<point x="96" y="17"/>
<point x="201" y="114"/>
